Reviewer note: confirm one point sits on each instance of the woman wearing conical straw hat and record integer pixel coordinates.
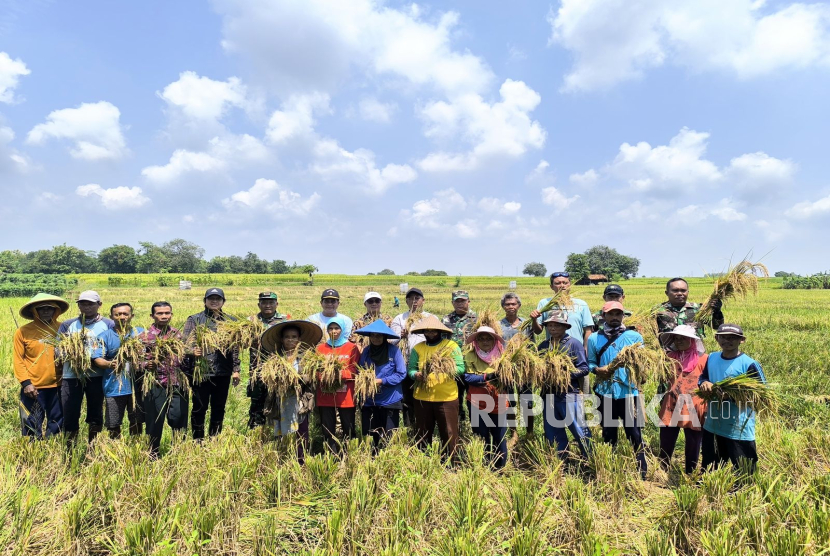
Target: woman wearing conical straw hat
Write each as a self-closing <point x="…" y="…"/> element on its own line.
<point x="34" y="365"/>
<point x="436" y="394"/>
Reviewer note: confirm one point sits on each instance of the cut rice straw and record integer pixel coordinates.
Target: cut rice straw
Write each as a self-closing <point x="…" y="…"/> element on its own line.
<point x="441" y="363"/>
<point x="130" y="356"/>
<point x="743" y="390"/>
<point x="646" y="324"/>
<point x="279" y="375"/>
<point x="365" y="383"/>
<point x="413" y="317"/>
<point x="242" y="333"/>
<point x="738" y="282"/>
<point x="488" y="317"/>
<point x="324" y="370"/>
<point x="167" y="352"/>
<point x="519" y="365"/>
<point x="560" y="300"/>
<point x="554" y="372"/>
<point x="72" y="348"/>
<point x="644" y="365"/>
<point x="207" y="340"/>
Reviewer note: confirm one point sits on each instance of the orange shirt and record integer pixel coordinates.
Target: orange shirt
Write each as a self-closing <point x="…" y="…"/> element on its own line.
<point x="348" y="354"/>
<point x="684" y="383"/>
<point x="34" y="360"/>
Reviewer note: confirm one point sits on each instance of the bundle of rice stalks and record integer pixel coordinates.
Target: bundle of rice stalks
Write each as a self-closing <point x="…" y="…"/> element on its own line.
<point x="646" y="324"/>
<point x="365" y="383"/>
<point x="242" y="333"/>
<point x="72" y="348"/>
<point x="208" y="341"/>
<point x="441" y="363"/>
<point x="488" y="317"/>
<point x="739" y="281"/>
<point x="554" y="371"/>
<point x="743" y="390"/>
<point x="519" y="364"/>
<point x="644" y="364"/>
<point x="167" y="352"/>
<point x="323" y="369"/>
<point x="280" y="377"/>
<point x="130" y="355"/>
<point x="560" y="300"/>
<point x="413" y="317"/>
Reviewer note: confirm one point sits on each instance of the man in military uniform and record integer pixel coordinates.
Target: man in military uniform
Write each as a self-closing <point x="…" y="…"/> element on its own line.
<point x="269" y="316"/>
<point x="461" y="322"/>
<point x="612" y="292"/>
<point x="677" y="310"/>
<point x="372" y="301"/>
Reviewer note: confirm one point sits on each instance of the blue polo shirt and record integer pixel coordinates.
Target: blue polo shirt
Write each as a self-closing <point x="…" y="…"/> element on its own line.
<point x="579" y="317"/>
<point x="727" y="418"/>
<point x="116" y="384"/>
<point x="93" y="332"/>
<point x="618" y="386"/>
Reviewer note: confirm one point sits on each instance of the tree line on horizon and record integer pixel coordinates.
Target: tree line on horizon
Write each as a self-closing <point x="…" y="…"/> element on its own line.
<point x="599" y="259"/>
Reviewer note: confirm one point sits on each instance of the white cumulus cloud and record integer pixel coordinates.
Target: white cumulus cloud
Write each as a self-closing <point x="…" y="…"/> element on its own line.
<point x="809" y="209"/>
<point x="758" y="174"/>
<point x="116" y="198"/>
<point x="202" y="98"/>
<point x="94" y="129"/>
<point x="272" y="198"/>
<point x="296" y="117"/>
<point x="10" y="73"/>
<point x="556" y="199"/>
<point x="373" y="110"/>
<point x="10" y="158"/>
<point x="222" y="152"/>
<point x="338" y="165"/>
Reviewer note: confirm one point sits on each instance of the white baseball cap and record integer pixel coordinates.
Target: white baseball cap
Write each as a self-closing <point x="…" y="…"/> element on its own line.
<point x="90" y="295"/>
<point x="371" y="295"/>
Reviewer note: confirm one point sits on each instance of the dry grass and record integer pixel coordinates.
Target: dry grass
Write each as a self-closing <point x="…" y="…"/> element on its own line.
<point x="242" y="333"/>
<point x="644" y="365"/>
<point x="743" y="390"/>
<point x="740" y="281"/>
<point x="365" y="383"/>
<point x="441" y="363"/>
<point x="519" y="364"/>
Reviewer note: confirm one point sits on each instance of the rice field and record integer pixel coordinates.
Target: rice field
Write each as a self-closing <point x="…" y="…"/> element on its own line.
<point x="241" y="494"/>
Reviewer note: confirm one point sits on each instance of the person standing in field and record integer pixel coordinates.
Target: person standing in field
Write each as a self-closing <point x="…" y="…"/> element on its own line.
<point x="373" y="302"/>
<point x="612" y="292"/>
<point x="119" y="384"/>
<point x="381" y="413"/>
<point x="461" y="322"/>
<point x="400" y="326"/>
<point x="341" y="402"/>
<point x="619" y="398"/>
<point x="680" y="409"/>
<point x="563" y="409"/>
<point x="511" y="324"/>
<point x="486" y="404"/>
<point x="579" y="316"/>
<point x="35" y="368"/>
<point x="677" y="310"/>
<point x="729" y="428"/>
<point x="167" y="397"/>
<point x="290" y="415"/>
<point x="330" y="302"/>
<point x="268" y="316"/>
<point x="435" y="395"/>
<point x="223" y="369"/>
<point x="77" y="384"/>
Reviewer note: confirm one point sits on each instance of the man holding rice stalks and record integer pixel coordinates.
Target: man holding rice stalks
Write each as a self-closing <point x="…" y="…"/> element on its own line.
<point x="401" y="326"/>
<point x="619" y="398"/>
<point x="461" y="322"/>
<point x="434" y="366"/>
<point x="729" y="428"/>
<point x="84" y="380"/>
<point x="121" y="376"/>
<point x="268" y="316"/>
<point x="566" y="365"/>
<point x="373" y="302"/>
<point x="35" y="367"/>
<point x="677" y="310"/>
<point x="213" y="370"/>
<point x="165" y="385"/>
<point x="330" y="302"/>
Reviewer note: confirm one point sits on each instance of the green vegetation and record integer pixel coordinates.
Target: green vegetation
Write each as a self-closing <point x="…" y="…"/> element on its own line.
<point x="820" y="281"/>
<point x="25" y="285"/>
<point x="240" y="494"/>
<point x="601" y="259"/>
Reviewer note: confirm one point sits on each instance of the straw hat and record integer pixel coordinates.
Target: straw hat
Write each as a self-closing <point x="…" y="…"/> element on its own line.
<point x="27" y="311"/>
<point x="429" y="323"/>
<point x="310" y="334"/>
<point x="484" y="330"/>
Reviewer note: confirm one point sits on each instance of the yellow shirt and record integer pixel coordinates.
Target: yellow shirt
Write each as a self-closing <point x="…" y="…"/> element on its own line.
<point x="437" y="388"/>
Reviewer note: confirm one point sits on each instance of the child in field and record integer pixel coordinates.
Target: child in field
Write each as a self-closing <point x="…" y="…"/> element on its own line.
<point x="340" y="403"/>
<point x="729" y="429"/>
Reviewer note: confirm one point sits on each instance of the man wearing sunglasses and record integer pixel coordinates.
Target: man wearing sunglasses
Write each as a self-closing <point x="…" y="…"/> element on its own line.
<point x="373" y="302"/>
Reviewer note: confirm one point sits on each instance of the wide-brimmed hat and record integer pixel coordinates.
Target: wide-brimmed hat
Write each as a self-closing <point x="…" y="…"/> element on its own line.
<point x="686" y="331"/>
<point x="484" y="330"/>
<point x="429" y="323"/>
<point x="558" y="316"/>
<point x="310" y="334"/>
<point x="378" y="327"/>
<point x="27" y="311"/>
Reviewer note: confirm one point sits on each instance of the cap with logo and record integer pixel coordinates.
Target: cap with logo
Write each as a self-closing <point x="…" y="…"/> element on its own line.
<point x="89" y="295"/>
<point x="613" y="289"/>
<point x="416" y="291"/>
<point x="460" y="294"/>
<point x="215" y="291"/>
<point x="330" y="294"/>
<point x="267" y="295"/>
<point x="727" y="329"/>
<point x="371" y="295"/>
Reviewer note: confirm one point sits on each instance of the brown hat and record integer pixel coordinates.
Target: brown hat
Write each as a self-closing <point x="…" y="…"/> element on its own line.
<point x="429" y="323"/>
<point x="310" y="334"/>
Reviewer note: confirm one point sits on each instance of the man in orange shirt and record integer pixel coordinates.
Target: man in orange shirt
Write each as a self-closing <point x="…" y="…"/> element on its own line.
<point x="34" y="366"/>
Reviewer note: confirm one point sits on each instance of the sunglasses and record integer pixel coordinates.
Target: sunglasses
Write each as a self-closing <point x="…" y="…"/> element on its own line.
<point x="560" y="275"/>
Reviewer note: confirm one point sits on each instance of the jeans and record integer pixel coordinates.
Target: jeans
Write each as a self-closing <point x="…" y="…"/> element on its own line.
<point x="73" y="392"/>
<point x="45" y="407"/>
<point x="213" y="393"/>
<point x="493" y="432"/>
<point x="562" y="412"/>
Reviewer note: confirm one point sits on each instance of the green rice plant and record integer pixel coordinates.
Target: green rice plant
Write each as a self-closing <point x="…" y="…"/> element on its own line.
<point x="723" y="541"/>
<point x="321" y="469"/>
<point x="743" y="390"/>
<point x="468" y="511"/>
<point x="560" y="299"/>
<point x="738" y="282"/>
<point x="787" y="542"/>
<point x="334" y="534"/>
<point x="524" y="503"/>
<point x="717" y="483"/>
<point x="365" y="383"/>
<point x="142" y="536"/>
<point x="658" y="543"/>
<point x="527" y="541"/>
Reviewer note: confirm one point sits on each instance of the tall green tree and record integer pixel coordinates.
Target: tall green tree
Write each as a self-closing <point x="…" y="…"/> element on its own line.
<point x="601" y="259"/>
<point x="120" y="259"/>
<point x="577" y="266"/>
<point x="183" y="255"/>
<point x="279" y="266"/>
<point x="61" y="259"/>
<point x="255" y="265"/>
<point x="535" y="269"/>
<point x="12" y="261"/>
<point x="152" y="258"/>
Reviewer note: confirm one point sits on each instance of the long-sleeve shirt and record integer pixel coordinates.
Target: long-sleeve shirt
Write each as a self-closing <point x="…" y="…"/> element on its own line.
<point x="398" y="326"/>
<point x="391" y="373"/>
<point x="221" y="364"/>
<point x="167" y="371"/>
<point x="576" y="352"/>
<point x="93" y="329"/>
<point x="618" y="386"/>
<point x="726" y="418"/>
<point x="436" y="388"/>
<point x="481" y="392"/>
<point x="34" y="360"/>
<point x="349" y="355"/>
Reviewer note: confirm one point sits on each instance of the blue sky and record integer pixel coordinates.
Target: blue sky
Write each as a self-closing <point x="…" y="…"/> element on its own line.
<point x="462" y="136"/>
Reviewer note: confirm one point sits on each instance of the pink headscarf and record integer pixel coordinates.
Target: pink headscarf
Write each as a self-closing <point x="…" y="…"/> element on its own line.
<point x="489" y="356"/>
<point x="688" y="358"/>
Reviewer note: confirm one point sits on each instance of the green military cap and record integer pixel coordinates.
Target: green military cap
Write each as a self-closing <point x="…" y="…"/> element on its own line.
<point x="267" y="295"/>
<point x="460" y="294"/>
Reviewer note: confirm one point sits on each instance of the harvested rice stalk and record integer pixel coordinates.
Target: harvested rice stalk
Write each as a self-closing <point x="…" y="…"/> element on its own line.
<point x="72" y="348"/>
<point x="441" y="363"/>
<point x="488" y="317"/>
<point x="208" y="341"/>
<point x="560" y="300"/>
<point x="166" y="352"/>
<point x="130" y="355"/>
<point x="644" y="364"/>
<point x="324" y="369"/>
<point x="519" y="364"/>
<point x="365" y="383"/>
<point x="413" y="317"/>
<point x="243" y="333"/>
<point x="280" y="377"/>
<point x="738" y="282"/>
<point x="743" y="390"/>
<point x="554" y="372"/>
<point x="646" y="324"/>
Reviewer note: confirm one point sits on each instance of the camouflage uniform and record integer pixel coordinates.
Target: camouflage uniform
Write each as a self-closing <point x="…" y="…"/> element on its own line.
<point x="361" y="322"/>
<point x="460" y="326"/>
<point x="668" y="317"/>
<point x="256" y="389"/>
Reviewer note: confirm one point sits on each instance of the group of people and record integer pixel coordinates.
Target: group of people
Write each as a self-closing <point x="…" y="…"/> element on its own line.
<point x="399" y="349"/>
